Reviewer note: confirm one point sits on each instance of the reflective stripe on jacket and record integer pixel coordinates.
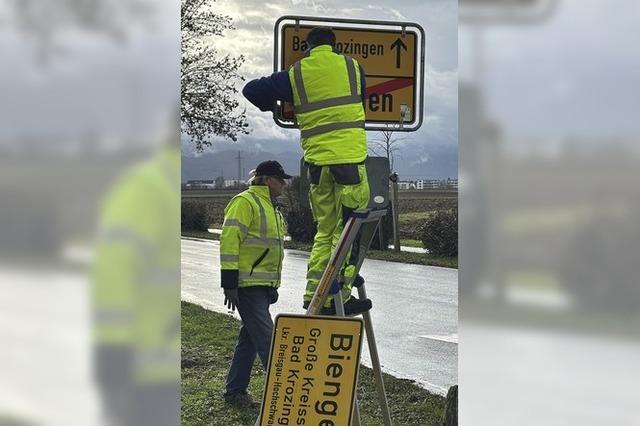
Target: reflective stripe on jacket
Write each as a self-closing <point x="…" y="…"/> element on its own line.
<point x="252" y="240"/>
<point x="328" y="106"/>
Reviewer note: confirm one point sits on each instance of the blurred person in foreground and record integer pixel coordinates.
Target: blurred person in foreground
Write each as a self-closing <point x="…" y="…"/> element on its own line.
<point x="251" y="254"/>
<point x="327" y="91"/>
<point x="136" y="294"/>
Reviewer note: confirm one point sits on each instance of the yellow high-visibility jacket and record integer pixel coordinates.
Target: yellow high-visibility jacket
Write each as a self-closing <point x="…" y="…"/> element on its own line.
<point x="136" y="272"/>
<point x="252" y="240"/>
<point x="328" y="105"/>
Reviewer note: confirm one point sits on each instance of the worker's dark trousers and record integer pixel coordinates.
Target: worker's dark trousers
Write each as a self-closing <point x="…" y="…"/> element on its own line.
<point x="126" y="402"/>
<point x="335" y="192"/>
<point x="254" y="338"/>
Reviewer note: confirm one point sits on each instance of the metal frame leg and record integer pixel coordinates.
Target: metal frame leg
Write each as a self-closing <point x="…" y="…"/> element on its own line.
<point x="355" y="418"/>
<point x="375" y="361"/>
<point x="338" y="304"/>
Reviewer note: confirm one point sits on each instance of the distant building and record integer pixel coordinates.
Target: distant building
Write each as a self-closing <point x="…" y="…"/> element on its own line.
<point x="426" y="184"/>
<point x="411" y="184"/>
<point x="234" y="183"/>
<point x="433" y="183"/>
<point x="202" y="184"/>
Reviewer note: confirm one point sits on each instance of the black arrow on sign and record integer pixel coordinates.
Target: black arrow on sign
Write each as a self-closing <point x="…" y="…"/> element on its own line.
<point x="399" y="45"/>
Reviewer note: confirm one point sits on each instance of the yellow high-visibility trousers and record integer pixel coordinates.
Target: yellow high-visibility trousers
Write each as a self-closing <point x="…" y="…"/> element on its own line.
<point x="335" y="192"/>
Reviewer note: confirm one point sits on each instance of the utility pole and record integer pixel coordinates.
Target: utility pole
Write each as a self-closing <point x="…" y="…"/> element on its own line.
<point x="239" y="158"/>
<point x="394" y="210"/>
<point x="405" y="114"/>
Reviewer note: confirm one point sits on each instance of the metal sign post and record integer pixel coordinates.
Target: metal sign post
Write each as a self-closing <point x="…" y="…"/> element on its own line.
<point x="391" y="53"/>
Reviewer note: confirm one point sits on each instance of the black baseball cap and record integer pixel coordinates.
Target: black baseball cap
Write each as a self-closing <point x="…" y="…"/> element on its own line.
<point x="271" y="168"/>
<point x="319" y="36"/>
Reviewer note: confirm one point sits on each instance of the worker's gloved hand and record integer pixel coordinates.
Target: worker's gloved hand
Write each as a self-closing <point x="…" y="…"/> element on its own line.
<point x="231" y="299"/>
<point x="358" y="281"/>
<point x="336" y="286"/>
<point x="273" y="295"/>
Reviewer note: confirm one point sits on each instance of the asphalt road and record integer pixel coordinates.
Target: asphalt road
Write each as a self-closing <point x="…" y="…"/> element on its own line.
<point x="414" y="314"/>
<point x="46" y="374"/>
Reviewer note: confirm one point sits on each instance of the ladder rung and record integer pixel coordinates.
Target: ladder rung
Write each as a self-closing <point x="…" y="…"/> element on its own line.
<point x="369" y="215"/>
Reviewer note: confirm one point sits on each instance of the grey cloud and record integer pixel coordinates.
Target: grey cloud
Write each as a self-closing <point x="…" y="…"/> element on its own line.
<point x="254" y="39"/>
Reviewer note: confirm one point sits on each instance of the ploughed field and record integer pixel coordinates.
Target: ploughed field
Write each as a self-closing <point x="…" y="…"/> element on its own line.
<point x="414" y="206"/>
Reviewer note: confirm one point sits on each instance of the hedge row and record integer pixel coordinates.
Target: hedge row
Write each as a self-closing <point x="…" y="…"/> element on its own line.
<point x="411" y="205"/>
<point x="439" y="232"/>
<point x="199" y="215"/>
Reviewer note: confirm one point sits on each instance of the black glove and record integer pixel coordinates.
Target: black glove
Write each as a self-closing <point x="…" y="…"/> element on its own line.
<point x="273" y="294"/>
<point x="231" y="299"/>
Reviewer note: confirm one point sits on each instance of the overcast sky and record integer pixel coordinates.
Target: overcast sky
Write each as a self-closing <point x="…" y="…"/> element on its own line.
<point x="93" y="84"/>
<point x="573" y="74"/>
<point x="255" y="19"/>
<point x="100" y="86"/>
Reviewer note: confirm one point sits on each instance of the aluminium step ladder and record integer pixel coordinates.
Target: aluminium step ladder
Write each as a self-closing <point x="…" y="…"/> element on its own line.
<point x="360" y="228"/>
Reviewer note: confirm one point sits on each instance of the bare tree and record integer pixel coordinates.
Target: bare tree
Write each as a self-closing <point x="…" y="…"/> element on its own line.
<point x="386" y="144"/>
<point x="208" y="80"/>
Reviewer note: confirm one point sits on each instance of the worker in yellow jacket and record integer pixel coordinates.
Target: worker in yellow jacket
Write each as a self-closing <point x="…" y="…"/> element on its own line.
<point x="135" y="295"/>
<point x="251" y="254"/>
<point x="327" y="91"/>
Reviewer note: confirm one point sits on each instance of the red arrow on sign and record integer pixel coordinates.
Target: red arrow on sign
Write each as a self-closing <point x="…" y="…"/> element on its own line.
<point x="389" y="86"/>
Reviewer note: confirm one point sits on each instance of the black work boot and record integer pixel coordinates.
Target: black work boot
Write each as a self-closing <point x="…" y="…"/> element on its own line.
<point x="355" y="306"/>
<point x="323" y="311"/>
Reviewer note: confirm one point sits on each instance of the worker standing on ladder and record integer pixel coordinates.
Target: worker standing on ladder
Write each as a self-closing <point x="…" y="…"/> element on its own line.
<point x="327" y="91"/>
<point x="251" y="253"/>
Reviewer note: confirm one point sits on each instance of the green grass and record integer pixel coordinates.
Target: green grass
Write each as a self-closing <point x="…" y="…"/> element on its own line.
<point x="201" y="234"/>
<point x="539" y="280"/>
<point x="413" y="258"/>
<point x="405" y="218"/>
<point x="297" y="245"/>
<point x="387" y="255"/>
<point x="391" y="256"/>
<point x="208" y="339"/>
<point x="410" y="243"/>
